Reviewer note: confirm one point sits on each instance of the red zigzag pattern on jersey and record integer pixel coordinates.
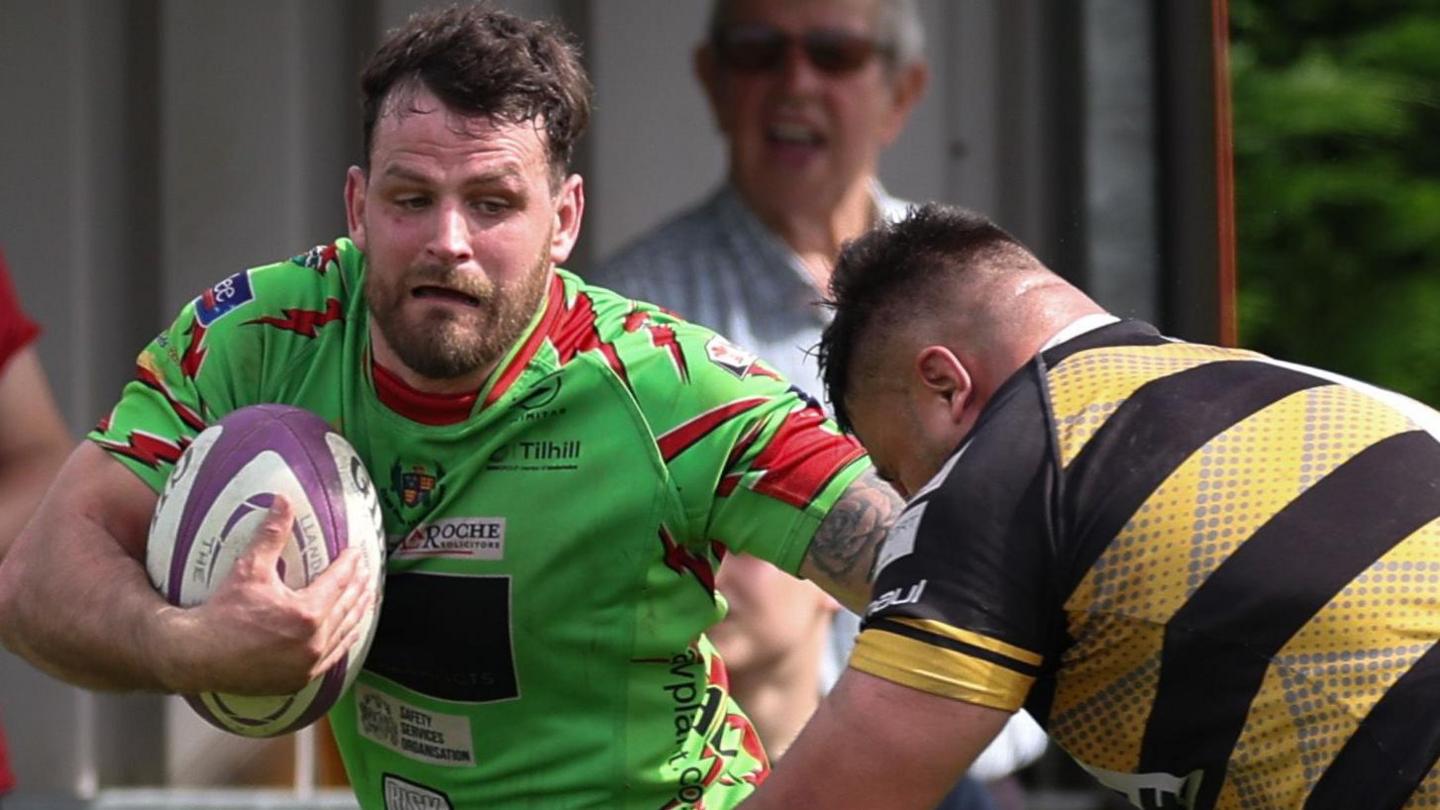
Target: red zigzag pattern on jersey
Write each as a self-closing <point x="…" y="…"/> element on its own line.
<point x="194" y="355"/>
<point x="303" y="321"/>
<point x="680" y="559"/>
<point x="802" y="458"/>
<point x="661" y="337"/>
<point x="146" y="448"/>
<point x="152" y="381"/>
<point x="576" y="333"/>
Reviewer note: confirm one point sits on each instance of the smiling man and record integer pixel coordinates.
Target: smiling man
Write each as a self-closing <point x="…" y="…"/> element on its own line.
<point x="565" y="469"/>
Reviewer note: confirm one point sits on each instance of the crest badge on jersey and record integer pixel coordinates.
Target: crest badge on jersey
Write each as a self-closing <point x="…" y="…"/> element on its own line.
<point x="222" y="299"/>
<point x="415" y="485"/>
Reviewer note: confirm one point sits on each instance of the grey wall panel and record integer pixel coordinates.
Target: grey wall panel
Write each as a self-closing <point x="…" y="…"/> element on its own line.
<point x="916" y="166"/>
<point x="67" y="213"/>
<point x="1121" y="181"/>
<point x="653" y="147"/>
<point x="254" y="128"/>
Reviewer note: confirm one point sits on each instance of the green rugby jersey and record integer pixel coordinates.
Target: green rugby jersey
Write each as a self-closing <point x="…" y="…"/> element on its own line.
<point x="552" y="557"/>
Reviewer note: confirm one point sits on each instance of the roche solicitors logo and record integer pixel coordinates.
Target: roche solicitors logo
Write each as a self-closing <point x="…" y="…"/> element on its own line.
<point x="470" y="538"/>
<point x="537" y="454"/>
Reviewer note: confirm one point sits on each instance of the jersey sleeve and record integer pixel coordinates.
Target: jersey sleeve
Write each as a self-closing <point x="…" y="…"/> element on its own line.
<point x="211" y="360"/>
<point x="756" y="462"/>
<point x="963" y="604"/>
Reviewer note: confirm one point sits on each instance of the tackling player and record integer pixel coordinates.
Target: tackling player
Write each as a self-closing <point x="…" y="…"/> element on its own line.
<point x="1210" y="574"/>
<point x="565" y="469"/>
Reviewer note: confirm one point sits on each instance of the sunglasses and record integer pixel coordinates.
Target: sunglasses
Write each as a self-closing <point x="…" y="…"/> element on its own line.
<point x="762" y="48"/>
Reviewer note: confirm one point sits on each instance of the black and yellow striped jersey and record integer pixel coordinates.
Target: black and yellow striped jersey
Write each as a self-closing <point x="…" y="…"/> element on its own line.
<point x="1213" y="577"/>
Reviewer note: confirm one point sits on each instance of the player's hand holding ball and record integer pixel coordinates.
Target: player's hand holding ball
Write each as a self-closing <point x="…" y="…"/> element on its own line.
<point x="268" y="541"/>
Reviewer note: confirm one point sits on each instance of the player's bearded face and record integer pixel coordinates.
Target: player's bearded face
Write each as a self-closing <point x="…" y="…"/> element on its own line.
<point x="446" y="341"/>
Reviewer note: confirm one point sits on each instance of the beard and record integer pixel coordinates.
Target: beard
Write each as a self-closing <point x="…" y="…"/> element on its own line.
<point x="442" y="344"/>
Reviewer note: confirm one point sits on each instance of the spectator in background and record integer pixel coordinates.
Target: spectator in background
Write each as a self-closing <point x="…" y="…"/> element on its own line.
<point x="33" y="439"/>
<point x="807" y="94"/>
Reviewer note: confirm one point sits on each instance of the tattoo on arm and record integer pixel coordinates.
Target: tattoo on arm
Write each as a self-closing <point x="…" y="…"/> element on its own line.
<point x="845" y="545"/>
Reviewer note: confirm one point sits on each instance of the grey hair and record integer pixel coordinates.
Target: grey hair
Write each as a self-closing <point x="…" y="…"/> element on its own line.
<point x="897" y="22"/>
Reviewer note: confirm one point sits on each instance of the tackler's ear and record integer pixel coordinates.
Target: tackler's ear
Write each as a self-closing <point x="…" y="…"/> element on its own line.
<point x="944" y="380"/>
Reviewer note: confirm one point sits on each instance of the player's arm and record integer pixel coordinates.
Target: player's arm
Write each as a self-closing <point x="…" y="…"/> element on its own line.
<point x="841" y="558"/>
<point x="33" y="442"/>
<point x="874" y="743"/>
<point x="75" y="599"/>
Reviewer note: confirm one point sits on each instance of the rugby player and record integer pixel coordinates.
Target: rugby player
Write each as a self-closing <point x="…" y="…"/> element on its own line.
<point x="1211" y="575"/>
<point x="563" y="469"/>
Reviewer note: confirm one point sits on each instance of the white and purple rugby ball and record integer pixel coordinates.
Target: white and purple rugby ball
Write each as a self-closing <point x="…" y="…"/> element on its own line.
<point x="220" y="490"/>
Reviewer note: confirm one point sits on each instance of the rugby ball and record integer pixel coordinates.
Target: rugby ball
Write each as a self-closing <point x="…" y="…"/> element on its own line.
<point x="217" y="495"/>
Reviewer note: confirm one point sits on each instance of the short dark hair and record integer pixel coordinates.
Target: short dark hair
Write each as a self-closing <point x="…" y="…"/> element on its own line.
<point x="480" y="60"/>
<point x="890" y="272"/>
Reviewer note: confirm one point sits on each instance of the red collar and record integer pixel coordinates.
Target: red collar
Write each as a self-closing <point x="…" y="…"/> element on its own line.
<point x="419" y="406"/>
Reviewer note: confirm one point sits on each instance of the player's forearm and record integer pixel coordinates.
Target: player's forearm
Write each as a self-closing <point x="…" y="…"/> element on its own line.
<point x="841" y="557"/>
<point x="76" y="605"/>
<point x="873" y="744"/>
<point x="22" y="485"/>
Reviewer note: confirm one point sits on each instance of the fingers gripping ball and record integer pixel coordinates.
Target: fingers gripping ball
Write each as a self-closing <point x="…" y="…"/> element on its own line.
<point x="219" y="493"/>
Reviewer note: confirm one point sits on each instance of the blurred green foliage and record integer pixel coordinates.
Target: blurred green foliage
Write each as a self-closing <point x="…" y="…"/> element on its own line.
<point x="1337" y="175"/>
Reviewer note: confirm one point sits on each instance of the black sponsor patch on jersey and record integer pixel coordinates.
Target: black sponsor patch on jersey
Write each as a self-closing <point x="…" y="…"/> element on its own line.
<point x="447" y="636"/>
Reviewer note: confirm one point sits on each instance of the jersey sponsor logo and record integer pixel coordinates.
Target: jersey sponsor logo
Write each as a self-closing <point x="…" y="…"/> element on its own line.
<point x="533" y="404"/>
<point x="686" y="688"/>
<point x="402" y="794"/>
<point x="1151" y="791"/>
<point x="901" y="540"/>
<point x="465" y="538"/>
<point x="218" y="301"/>
<point x="440" y="739"/>
<point x="542" y="393"/>
<point x="414" y="485"/>
<point x="537" y="454"/>
<point x="897" y="596"/>
<point x="703" y="708"/>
